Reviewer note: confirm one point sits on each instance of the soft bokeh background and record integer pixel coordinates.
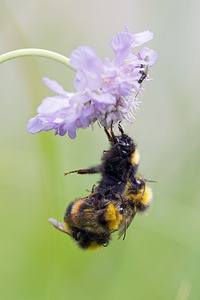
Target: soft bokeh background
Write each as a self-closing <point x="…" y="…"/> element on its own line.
<point x="160" y="257"/>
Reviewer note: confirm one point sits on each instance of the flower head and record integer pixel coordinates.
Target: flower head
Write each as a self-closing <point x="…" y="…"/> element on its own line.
<point x="106" y="92"/>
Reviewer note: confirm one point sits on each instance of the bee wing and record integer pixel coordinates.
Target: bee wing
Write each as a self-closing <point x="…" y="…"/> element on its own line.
<point x="126" y="223"/>
<point x="58" y="225"/>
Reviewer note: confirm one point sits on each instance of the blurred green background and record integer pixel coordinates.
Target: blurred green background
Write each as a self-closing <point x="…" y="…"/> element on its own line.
<point x="160" y="257"/>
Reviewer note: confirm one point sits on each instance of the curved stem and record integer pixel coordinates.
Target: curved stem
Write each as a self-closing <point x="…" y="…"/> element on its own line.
<point x="36" y="52"/>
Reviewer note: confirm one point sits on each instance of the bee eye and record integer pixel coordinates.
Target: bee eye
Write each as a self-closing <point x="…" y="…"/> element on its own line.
<point x="121" y="210"/>
<point x="123" y="144"/>
<point x="139" y="183"/>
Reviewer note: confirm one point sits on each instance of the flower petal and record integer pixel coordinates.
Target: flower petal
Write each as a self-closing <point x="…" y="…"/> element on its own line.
<point x="141" y="38"/>
<point x="150" y="54"/>
<point x="125" y="88"/>
<point x="105" y="92"/>
<point x="121" y="45"/>
<point x="54" y="86"/>
<point x="80" y="81"/>
<point x="37" y="124"/>
<point x="103" y="98"/>
<point x="52" y="104"/>
<point x="85" y="58"/>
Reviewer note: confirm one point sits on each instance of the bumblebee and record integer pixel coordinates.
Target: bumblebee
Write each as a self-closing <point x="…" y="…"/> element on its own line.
<point x="113" y="204"/>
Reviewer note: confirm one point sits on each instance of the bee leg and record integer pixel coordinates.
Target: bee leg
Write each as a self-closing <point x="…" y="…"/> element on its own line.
<point x="125" y="228"/>
<point x="105" y="151"/>
<point x="93" y="189"/>
<point x="107" y="133"/>
<point x="106" y="244"/>
<point x="85" y="171"/>
<point x="110" y="135"/>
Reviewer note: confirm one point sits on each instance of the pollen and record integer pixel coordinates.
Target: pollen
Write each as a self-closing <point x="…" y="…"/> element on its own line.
<point x="106" y="80"/>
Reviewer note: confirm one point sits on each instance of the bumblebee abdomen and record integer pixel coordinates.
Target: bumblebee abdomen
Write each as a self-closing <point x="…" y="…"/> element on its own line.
<point x="90" y="240"/>
<point x="89" y="224"/>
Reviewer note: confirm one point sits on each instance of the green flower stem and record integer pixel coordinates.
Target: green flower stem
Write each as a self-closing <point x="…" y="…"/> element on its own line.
<point x="36" y="52"/>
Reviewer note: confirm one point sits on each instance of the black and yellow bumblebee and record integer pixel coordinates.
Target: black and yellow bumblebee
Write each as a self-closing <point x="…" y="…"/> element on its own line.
<point x="113" y="204"/>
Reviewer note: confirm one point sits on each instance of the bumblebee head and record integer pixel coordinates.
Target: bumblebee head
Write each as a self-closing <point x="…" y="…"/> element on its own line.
<point x="123" y="144"/>
<point x="139" y="192"/>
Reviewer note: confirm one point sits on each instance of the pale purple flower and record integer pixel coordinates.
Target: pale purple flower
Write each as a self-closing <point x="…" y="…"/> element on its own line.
<point x="106" y="92"/>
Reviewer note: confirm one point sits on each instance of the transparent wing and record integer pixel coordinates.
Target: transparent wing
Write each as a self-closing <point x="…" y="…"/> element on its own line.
<point x="58" y="225"/>
<point x="128" y="218"/>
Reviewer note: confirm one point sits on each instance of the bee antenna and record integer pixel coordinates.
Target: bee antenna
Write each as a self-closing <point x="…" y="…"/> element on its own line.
<point x="120" y="128"/>
<point x="144" y="188"/>
<point x="147" y="180"/>
<point x="111" y="135"/>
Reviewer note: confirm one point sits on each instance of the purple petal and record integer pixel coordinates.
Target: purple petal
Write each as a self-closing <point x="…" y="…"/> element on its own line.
<point x="121" y="45"/>
<point x="150" y="54"/>
<point x="72" y="133"/>
<point x="85" y="58"/>
<point x="90" y="68"/>
<point x="127" y="29"/>
<point x="105" y="92"/>
<point x="86" y="81"/>
<point x="52" y="104"/>
<point x="36" y="125"/>
<point x="141" y="38"/>
<point x="103" y="98"/>
<point x="80" y="81"/>
<point x="79" y="99"/>
<point x="62" y="131"/>
<point x="110" y="69"/>
<point x="54" y="86"/>
<point x="85" y="115"/>
<point x="125" y="88"/>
